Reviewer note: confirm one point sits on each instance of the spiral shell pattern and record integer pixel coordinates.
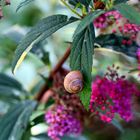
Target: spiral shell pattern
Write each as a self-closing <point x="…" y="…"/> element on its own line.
<point x="73" y="82"/>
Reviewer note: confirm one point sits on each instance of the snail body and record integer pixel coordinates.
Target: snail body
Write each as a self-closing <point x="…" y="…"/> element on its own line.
<point x="73" y="82"/>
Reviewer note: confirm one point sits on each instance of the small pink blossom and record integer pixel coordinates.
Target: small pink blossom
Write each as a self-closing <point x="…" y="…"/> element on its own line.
<point x="122" y="25"/>
<point x="112" y="94"/>
<point x="61" y="122"/>
<point x="106" y="19"/>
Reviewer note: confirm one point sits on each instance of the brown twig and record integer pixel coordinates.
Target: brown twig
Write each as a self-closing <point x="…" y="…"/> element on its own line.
<point x="52" y="73"/>
<point x="61" y="62"/>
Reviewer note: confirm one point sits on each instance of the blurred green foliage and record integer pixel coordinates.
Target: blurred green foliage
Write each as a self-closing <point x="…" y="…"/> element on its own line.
<point x="29" y="74"/>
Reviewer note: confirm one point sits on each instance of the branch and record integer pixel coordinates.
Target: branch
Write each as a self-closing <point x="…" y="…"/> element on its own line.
<point x="52" y="73"/>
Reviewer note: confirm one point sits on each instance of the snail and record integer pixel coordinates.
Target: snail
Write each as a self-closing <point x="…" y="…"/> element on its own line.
<point x="73" y="82"/>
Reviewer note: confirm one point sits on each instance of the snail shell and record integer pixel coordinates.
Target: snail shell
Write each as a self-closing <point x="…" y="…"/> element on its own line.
<point x="73" y="82"/>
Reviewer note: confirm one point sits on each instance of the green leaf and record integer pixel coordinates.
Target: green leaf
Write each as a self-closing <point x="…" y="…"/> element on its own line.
<point x="114" y="42"/>
<point x="10" y="88"/>
<point x="8" y="93"/>
<point x="81" y="59"/>
<point x="73" y="2"/>
<point x="120" y="1"/>
<point x="84" y="2"/>
<point x="39" y="32"/>
<point x="8" y="81"/>
<point x="26" y="135"/>
<point x="129" y="12"/>
<point x="14" y="123"/>
<point x="42" y="137"/>
<point x="23" y="3"/>
<point x="37" y="118"/>
<point x="85" y="95"/>
<point x="86" y="21"/>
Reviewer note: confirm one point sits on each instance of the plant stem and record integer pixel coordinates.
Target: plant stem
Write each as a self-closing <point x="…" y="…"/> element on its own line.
<point x="52" y="73"/>
<point x="61" y="61"/>
<point x="74" y="11"/>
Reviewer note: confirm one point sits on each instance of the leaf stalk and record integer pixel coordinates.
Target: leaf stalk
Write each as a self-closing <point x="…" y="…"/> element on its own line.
<point x="72" y="10"/>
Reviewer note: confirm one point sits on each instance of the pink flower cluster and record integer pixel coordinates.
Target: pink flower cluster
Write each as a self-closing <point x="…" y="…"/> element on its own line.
<point x="61" y="122"/>
<point x="138" y="55"/>
<point x="106" y="19"/>
<point x="122" y="25"/>
<point x="129" y="29"/>
<point x="112" y="95"/>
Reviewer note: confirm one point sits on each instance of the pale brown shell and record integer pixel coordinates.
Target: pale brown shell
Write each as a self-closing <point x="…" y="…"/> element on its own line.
<point x="73" y="82"/>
